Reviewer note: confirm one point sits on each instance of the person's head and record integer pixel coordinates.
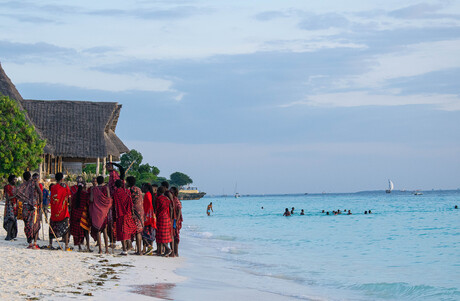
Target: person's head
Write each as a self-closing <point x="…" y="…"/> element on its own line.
<point x="287" y="209"/>
<point x="301" y="210"/>
<point x="349" y="211"/>
<point x="174" y="191"/>
<point x="327" y="213"/>
<point x="210" y="203"/>
<point x="36" y="177"/>
<point x="109" y="166"/>
<point x="161" y="190"/>
<point x="456" y="207"/>
<point x="292" y="208"/>
<point x="100" y="180"/>
<point x="12" y="179"/>
<point x="26" y="176"/>
<point x="154" y="188"/>
<point x="165" y="184"/>
<point x="131" y="181"/>
<point x="59" y="176"/>
<point x="94" y="181"/>
<point x="80" y="180"/>
<point x="118" y="183"/>
<point x="261" y="207"/>
<point x="365" y="212"/>
<point x="370" y="212"/>
<point x="322" y="211"/>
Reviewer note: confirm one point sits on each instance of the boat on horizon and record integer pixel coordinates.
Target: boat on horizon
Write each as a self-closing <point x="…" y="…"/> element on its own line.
<point x="418" y="192"/>
<point x="190" y="193"/>
<point x="390" y="186"/>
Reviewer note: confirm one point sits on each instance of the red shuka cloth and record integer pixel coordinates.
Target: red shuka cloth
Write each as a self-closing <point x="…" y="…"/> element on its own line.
<point x="100" y="206"/>
<point x="9" y="191"/>
<point x="59" y="202"/>
<point x="123" y="204"/>
<point x="164" y="226"/>
<point x="150" y="219"/>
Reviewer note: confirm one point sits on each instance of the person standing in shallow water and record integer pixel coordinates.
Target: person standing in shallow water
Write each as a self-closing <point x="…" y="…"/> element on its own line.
<point x="10" y="222"/>
<point x="209" y="209"/>
<point x="286" y="212"/>
<point x="177" y="222"/>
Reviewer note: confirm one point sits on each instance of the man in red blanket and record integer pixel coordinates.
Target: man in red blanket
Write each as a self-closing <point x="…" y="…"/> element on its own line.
<point x="123" y="204"/>
<point x="79" y="213"/>
<point x="100" y="204"/>
<point x="59" y="219"/>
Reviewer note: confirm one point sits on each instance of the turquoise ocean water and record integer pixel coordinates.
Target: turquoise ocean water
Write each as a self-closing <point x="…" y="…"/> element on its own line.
<point x="408" y="249"/>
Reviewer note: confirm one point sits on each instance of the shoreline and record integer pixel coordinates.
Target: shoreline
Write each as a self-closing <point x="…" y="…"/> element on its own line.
<point x="47" y="275"/>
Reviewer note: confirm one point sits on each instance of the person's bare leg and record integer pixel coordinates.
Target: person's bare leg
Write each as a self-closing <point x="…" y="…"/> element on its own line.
<point x="138" y="243"/>
<point x="176" y="247"/>
<point x="99" y="243"/>
<point x="106" y="241"/>
<point x="87" y="241"/>
<point x="66" y="240"/>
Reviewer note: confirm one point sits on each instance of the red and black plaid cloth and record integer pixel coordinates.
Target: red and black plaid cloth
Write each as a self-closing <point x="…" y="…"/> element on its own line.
<point x="60" y="228"/>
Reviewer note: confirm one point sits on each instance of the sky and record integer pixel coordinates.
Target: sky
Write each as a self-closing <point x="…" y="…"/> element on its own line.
<point x="258" y="97"/>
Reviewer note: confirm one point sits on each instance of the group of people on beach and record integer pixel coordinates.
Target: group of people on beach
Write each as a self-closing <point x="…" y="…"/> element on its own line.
<point x="118" y="211"/>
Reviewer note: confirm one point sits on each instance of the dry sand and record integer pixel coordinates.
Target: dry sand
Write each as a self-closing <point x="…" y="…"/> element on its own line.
<point x="50" y="275"/>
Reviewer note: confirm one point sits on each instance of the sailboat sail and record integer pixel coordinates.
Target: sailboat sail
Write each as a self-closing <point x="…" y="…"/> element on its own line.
<point x="390" y="185"/>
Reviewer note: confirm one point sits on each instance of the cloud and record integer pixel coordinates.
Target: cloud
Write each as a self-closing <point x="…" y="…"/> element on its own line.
<point x="323" y="21"/>
<point x="270" y="15"/>
<point x="177" y="12"/>
<point x="21" y="52"/>
<point x="422" y="11"/>
<point x="78" y="76"/>
<point x="446" y="102"/>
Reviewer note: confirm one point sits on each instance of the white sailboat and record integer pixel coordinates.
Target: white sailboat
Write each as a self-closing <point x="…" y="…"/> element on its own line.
<point x="390" y="186"/>
<point x="237" y="195"/>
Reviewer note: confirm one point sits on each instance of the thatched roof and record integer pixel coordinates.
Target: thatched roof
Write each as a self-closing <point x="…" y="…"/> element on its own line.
<point x="7" y="88"/>
<point x="78" y="129"/>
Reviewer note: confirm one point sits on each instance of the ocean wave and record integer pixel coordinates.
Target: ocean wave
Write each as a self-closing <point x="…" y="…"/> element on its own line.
<point x="400" y="290"/>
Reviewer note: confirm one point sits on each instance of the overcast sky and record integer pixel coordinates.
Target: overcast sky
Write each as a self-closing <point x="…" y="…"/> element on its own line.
<point x="276" y="96"/>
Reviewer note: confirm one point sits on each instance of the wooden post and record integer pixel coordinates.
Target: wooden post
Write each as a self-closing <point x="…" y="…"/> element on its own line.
<point x="97" y="166"/>
<point x="55" y="165"/>
<point x="60" y="163"/>
<point x="104" y="170"/>
<point x="110" y="158"/>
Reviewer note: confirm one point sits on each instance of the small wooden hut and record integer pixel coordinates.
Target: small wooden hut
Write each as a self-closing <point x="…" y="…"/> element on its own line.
<point x="76" y="132"/>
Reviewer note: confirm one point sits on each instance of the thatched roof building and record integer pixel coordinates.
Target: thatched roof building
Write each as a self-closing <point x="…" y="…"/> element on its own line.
<point x="76" y="132"/>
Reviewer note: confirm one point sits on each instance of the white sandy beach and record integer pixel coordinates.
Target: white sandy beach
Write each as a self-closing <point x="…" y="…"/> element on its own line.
<point x="45" y="275"/>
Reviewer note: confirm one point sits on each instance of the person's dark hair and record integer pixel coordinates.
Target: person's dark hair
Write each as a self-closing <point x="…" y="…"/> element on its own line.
<point x="165" y="184"/>
<point x="100" y="180"/>
<point x="327" y="213"/>
<point x="161" y="190"/>
<point x="77" y="201"/>
<point x="174" y="190"/>
<point x="58" y="176"/>
<point x="155" y="185"/>
<point x="11" y="178"/>
<point x="131" y="181"/>
<point x="118" y="183"/>
<point x="26" y="176"/>
<point x="35" y="176"/>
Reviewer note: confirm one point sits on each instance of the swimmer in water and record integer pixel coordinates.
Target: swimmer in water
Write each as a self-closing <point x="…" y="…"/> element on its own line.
<point x="209" y="209"/>
<point x="327" y="213"/>
<point x="349" y="212"/>
<point x="365" y="212"/>
<point x="301" y="212"/>
<point x="292" y="210"/>
<point x="287" y="213"/>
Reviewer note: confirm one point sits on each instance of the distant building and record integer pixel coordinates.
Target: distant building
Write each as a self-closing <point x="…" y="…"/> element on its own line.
<point x="76" y="132"/>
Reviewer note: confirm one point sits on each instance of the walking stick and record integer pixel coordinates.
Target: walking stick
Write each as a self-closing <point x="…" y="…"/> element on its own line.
<point x="113" y="244"/>
<point x="43" y="226"/>
<point x="129" y="167"/>
<point x="51" y="228"/>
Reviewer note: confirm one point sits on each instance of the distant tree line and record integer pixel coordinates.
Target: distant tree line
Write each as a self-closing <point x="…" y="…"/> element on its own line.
<point x="144" y="173"/>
